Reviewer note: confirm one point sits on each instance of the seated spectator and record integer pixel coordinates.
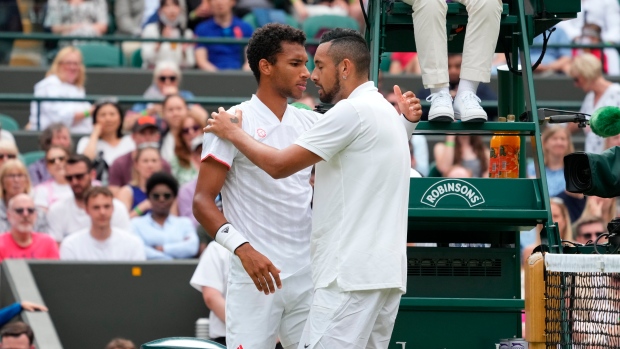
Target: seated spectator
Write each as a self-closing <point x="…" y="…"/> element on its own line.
<point x="8" y="151"/>
<point x="310" y="8"/>
<point x="588" y="228"/>
<point x="145" y="133"/>
<point x="175" y="110"/>
<point x="556" y="143"/>
<point x="68" y="215"/>
<point x="120" y="343"/>
<point x="14" y="180"/>
<point x="65" y="78"/>
<point x="133" y="195"/>
<point x="211" y="279"/>
<point x="484" y="92"/>
<point x="198" y="11"/>
<point x="106" y="141"/>
<point x="56" y="134"/>
<point x="187" y="190"/>
<point x="458" y="171"/>
<point x="556" y="60"/>
<point x="184" y="166"/>
<point x="405" y="63"/>
<point x="101" y="241"/>
<point x="77" y="17"/>
<point x="591" y="35"/>
<point x="8" y="313"/>
<point x="465" y="150"/>
<point x="560" y="216"/>
<point x="604" y="208"/>
<point x="574" y="203"/>
<point x="586" y="71"/>
<point x="165" y="236"/>
<point x="604" y="13"/>
<point x="166" y="81"/>
<point x="7" y="136"/>
<point x="223" y="24"/>
<point x="17" y="335"/>
<point x="132" y="15"/>
<point x="56" y="188"/>
<point x="168" y="26"/>
<point x="22" y="241"/>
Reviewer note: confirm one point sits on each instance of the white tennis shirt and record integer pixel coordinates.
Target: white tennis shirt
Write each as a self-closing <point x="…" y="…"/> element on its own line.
<point x="361" y="193"/>
<point x="273" y="214"/>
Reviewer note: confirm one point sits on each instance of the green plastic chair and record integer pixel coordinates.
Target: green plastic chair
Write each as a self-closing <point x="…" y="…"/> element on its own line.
<point x="136" y="58"/>
<point x="32" y="156"/>
<point x="433" y="171"/>
<point x="8" y="123"/>
<point x="251" y="20"/>
<point x="310" y="64"/>
<point x="101" y="55"/>
<point x="386" y="61"/>
<point x="313" y="25"/>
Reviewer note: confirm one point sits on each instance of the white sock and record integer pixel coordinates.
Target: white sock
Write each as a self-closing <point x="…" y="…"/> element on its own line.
<point x="440" y="89"/>
<point x="468" y="85"/>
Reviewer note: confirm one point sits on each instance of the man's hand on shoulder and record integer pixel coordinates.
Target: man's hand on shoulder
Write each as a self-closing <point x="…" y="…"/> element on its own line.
<point x="409" y="104"/>
<point x="259" y="268"/>
<point x="223" y="124"/>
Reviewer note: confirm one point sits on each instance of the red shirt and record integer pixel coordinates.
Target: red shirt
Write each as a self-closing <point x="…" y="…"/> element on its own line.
<point x="42" y="247"/>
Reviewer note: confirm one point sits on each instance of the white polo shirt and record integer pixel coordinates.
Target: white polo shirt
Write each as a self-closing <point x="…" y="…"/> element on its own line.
<point x="273" y="215"/>
<point x="361" y="193"/>
<point x="212" y="271"/>
<point x="120" y="246"/>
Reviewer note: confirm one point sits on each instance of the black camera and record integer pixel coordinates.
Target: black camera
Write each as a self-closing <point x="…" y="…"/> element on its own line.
<point x="593" y="174"/>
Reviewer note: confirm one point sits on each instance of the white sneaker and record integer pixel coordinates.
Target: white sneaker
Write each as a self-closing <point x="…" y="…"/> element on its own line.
<point x="467" y="108"/>
<point x="441" y="107"/>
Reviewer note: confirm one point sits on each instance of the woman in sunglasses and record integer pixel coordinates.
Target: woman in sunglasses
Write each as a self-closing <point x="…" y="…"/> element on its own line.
<point x="133" y="195"/>
<point x="8" y="151"/>
<point x="165" y="236"/>
<point x="183" y="165"/>
<point x="57" y="187"/>
<point x="107" y="137"/>
<point x="14" y="180"/>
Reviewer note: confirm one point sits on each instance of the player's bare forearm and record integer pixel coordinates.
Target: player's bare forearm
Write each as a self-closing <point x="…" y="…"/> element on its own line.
<point x="210" y="181"/>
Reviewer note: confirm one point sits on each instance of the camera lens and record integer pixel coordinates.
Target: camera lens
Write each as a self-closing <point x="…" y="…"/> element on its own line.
<point x="577" y="172"/>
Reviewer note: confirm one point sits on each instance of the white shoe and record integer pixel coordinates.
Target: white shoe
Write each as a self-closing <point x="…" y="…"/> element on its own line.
<point x="467" y="108"/>
<point x="441" y="107"/>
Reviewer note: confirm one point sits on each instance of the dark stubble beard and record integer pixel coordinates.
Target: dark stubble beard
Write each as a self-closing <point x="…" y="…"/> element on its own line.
<point x="329" y="97"/>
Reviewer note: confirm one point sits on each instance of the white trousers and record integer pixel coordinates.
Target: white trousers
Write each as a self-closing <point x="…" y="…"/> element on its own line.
<point x="350" y="320"/>
<point x="255" y="320"/>
<point x="429" y="23"/>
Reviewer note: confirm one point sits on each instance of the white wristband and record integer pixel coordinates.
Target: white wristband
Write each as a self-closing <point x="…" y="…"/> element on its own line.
<point x="229" y="237"/>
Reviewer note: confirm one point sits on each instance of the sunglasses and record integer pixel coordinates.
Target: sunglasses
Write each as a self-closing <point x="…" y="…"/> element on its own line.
<point x="8" y="156"/>
<point x="21" y="210"/>
<point x="157" y="196"/>
<point x="78" y="176"/>
<point x="163" y="78"/>
<point x="58" y="158"/>
<point x="194" y="128"/>
<point x="589" y="235"/>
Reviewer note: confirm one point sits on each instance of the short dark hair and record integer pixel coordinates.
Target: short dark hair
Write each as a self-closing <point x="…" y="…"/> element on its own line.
<point x="162" y="178"/>
<point x="119" y="131"/>
<point x="77" y="158"/>
<point x="94" y="191"/>
<point x="45" y="139"/>
<point x="266" y="43"/>
<point x="16" y="329"/>
<point x="350" y="44"/>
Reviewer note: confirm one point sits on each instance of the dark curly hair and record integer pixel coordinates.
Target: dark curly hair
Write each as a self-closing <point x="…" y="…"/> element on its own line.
<point x="350" y="44"/>
<point x="162" y="178"/>
<point x="266" y="43"/>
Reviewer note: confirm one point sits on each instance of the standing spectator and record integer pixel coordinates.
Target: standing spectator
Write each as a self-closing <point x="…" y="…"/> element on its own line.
<point x="8" y="151"/>
<point x="556" y="143"/>
<point x="165" y="236"/>
<point x="211" y="279"/>
<point x="429" y="22"/>
<point x="465" y="150"/>
<point x="604" y="13"/>
<point x="68" y="215"/>
<point x="166" y="81"/>
<point x="145" y="133"/>
<point x="101" y="242"/>
<point x="184" y="166"/>
<point x="56" y="134"/>
<point x="586" y="72"/>
<point x="14" y="180"/>
<point x="65" y="78"/>
<point x="223" y="24"/>
<point x="106" y="141"/>
<point x="22" y="241"/>
<point x="17" y="335"/>
<point x="133" y="195"/>
<point x="56" y="188"/>
<point x="77" y="17"/>
<point x="168" y="26"/>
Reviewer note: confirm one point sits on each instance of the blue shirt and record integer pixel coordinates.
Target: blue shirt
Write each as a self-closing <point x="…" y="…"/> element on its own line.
<point x="177" y="237"/>
<point x="555" y="179"/>
<point x="224" y="56"/>
<point x="552" y="54"/>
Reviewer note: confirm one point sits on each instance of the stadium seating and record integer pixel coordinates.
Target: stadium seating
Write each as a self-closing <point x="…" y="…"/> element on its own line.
<point x="250" y="18"/>
<point x="101" y="55"/>
<point x="8" y="123"/>
<point x="136" y="58"/>
<point x="313" y="26"/>
<point x="33" y="156"/>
